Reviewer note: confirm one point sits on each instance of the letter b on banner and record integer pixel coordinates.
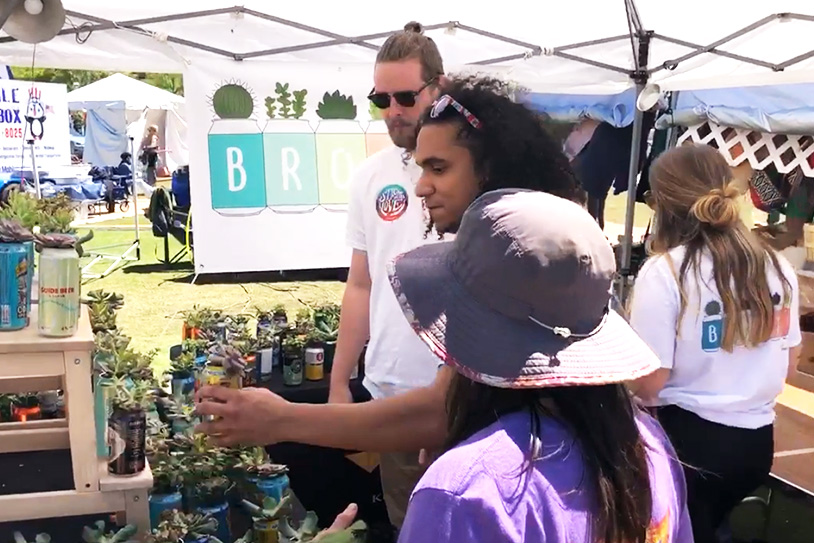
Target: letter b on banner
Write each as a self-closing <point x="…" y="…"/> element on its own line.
<point x="338" y="156"/>
<point x="291" y="168"/>
<point x="236" y="171"/>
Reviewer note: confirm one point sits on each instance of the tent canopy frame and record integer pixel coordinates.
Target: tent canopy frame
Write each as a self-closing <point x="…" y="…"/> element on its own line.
<point x="564" y="52"/>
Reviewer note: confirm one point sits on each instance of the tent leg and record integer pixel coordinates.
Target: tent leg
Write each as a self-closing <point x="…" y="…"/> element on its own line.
<point x="633" y="174"/>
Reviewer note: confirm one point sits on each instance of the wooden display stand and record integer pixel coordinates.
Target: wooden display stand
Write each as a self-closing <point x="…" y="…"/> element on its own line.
<point x="32" y="363"/>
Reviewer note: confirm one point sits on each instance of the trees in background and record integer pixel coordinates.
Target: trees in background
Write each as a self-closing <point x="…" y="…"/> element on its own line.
<point x="79" y="78"/>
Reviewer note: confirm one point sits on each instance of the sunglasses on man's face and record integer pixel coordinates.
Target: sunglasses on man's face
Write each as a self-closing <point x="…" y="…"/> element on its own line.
<point x="382" y="100"/>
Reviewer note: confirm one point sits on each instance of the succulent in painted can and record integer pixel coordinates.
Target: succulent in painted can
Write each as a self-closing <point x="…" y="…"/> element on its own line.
<point x="233" y="101"/>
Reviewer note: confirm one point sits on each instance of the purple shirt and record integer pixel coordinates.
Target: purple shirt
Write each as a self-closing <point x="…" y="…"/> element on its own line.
<point x="476" y="492"/>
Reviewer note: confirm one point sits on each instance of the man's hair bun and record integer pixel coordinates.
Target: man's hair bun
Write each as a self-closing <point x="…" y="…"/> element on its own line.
<point x="414" y="26"/>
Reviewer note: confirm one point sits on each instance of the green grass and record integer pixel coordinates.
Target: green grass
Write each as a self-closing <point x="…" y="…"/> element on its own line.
<point x="616" y="205"/>
<point x="155" y="298"/>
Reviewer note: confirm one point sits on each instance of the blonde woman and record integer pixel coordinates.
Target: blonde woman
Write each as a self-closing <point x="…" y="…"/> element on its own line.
<point x="149" y="156"/>
<point x="720" y="309"/>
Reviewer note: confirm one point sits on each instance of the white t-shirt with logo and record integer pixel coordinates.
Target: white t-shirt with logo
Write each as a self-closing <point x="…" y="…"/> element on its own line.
<point x="735" y="389"/>
<point x="386" y="219"/>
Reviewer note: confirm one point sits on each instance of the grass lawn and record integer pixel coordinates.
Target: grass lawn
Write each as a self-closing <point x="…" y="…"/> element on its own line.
<point x="154" y="297"/>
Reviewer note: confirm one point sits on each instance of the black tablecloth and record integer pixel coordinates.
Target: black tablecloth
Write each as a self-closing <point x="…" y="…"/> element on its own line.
<point x="324" y="479"/>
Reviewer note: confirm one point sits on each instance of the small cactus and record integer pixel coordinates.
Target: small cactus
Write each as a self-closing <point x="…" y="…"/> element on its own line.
<point x="233" y="101"/>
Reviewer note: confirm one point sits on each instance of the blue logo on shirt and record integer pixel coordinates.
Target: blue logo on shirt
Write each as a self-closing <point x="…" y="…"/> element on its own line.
<point x="712" y="327"/>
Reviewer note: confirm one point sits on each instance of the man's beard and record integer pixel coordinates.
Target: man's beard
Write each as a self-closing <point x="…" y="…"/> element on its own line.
<point x="402" y="134"/>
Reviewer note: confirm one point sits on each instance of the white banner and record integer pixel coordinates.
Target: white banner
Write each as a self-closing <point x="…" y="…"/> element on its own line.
<point x="38" y="111"/>
<point x="272" y="150"/>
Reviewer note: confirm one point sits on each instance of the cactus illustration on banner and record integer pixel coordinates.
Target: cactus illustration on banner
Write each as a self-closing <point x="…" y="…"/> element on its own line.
<point x="340" y="144"/>
<point x="290" y="152"/>
<point x="236" y="166"/>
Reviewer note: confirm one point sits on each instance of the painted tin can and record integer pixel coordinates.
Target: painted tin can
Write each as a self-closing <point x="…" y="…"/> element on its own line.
<point x="29" y="247"/>
<point x="49" y="403"/>
<point x="264" y="324"/>
<point x="264" y="364"/>
<point x="198" y="371"/>
<point x="220" y="513"/>
<point x="163" y="502"/>
<point x="314" y="363"/>
<point x="273" y="487"/>
<point x="292" y="370"/>
<point x="15" y="286"/>
<point x="182" y="384"/>
<point x="59" y="285"/>
<point x="25" y="414"/>
<point x="216" y="375"/>
<point x="127" y="432"/>
<point x="280" y="321"/>
<point x="103" y="392"/>
<point x="266" y="531"/>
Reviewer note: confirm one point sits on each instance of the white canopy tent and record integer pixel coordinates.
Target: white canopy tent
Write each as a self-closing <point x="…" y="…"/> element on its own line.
<point x="580" y="47"/>
<point x="144" y="105"/>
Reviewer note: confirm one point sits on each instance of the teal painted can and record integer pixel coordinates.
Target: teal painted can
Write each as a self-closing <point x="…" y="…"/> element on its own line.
<point x="29" y="247"/>
<point x="220" y="513"/>
<point x="273" y="487"/>
<point x="163" y="502"/>
<point x="183" y="384"/>
<point x="15" y="286"/>
<point x="102" y="394"/>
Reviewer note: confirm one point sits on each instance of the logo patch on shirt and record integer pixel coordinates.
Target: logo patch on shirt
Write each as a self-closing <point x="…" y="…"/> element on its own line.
<point x="391" y="202"/>
<point x="712" y="327"/>
<point x="782" y="316"/>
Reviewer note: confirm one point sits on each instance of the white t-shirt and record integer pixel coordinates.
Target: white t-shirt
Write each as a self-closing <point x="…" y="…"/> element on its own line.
<point x="386" y="219"/>
<point x="736" y="389"/>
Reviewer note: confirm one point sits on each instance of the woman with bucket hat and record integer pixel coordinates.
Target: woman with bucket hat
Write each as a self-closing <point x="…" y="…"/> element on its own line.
<point x="720" y="309"/>
<point x="544" y="440"/>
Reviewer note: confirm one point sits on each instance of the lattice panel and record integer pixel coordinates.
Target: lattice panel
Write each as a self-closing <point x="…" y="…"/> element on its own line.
<point x="761" y="149"/>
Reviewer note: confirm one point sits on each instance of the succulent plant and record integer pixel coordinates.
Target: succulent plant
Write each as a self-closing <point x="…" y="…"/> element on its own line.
<point x="233" y="101"/>
<point x="61" y="240"/>
<point x="256" y="461"/>
<point x="336" y="106"/>
<point x="355" y="533"/>
<point x="306" y="531"/>
<point x="40" y="538"/>
<point x="293" y="344"/>
<point x="114" y="300"/>
<point x="229" y="358"/>
<point x="326" y="322"/>
<point x="184" y="363"/>
<point x="97" y="534"/>
<point x="23" y="208"/>
<point x="12" y="231"/>
<point x="132" y="397"/>
<point x="270" y="509"/>
<point x="175" y="526"/>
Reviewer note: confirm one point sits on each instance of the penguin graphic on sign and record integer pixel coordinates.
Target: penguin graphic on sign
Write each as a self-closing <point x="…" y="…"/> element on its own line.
<point x="712" y="327"/>
<point x="35" y="114"/>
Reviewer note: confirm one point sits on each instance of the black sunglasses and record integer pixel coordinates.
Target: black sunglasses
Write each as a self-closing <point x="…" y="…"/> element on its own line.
<point x="403" y="98"/>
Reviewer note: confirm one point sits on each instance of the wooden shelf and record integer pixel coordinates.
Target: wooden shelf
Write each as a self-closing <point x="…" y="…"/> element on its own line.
<point x="32" y="363"/>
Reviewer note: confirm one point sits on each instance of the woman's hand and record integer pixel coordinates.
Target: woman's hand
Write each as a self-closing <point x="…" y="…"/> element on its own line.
<point x="342" y="522"/>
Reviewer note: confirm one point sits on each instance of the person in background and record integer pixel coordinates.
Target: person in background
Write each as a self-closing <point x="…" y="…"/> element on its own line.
<point x="475" y="139"/>
<point x="720" y="309"/>
<point x="544" y="441"/>
<point x="149" y="156"/>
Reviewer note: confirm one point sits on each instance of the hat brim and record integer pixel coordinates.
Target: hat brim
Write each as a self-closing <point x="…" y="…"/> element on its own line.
<point x="491" y="348"/>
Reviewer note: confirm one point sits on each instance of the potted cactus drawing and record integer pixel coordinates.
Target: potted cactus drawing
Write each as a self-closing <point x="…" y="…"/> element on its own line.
<point x="236" y="166"/>
<point x="340" y="147"/>
<point x="290" y="150"/>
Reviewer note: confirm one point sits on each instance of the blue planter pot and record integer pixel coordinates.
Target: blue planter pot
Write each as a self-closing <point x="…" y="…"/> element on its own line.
<point x="273" y="487"/>
<point x="163" y="502"/>
<point x="16" y="274"/>
<point x="183" y="384"/>
<point x="221" y="514"/>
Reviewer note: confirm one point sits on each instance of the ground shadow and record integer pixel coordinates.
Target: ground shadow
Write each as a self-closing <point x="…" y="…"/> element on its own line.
<point x="290" y="276"/>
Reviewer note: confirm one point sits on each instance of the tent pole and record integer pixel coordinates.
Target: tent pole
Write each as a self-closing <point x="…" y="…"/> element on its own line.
<point x="135" y="197"/>
<point x="633" y="174"/>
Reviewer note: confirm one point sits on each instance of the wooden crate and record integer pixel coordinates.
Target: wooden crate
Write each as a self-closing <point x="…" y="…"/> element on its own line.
<point x="32" y="363"/>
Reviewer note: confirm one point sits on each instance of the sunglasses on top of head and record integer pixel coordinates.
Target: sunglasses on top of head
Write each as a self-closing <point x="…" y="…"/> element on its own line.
<point x="403" y="98"/>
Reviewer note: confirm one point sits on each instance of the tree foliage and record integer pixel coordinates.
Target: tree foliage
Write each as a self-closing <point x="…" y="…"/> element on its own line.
<point x="75" y="79"/>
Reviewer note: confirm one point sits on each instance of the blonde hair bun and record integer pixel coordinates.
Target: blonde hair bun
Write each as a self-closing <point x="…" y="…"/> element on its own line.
<point x="719" y="207"/>
<point x="414" y="26"/>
